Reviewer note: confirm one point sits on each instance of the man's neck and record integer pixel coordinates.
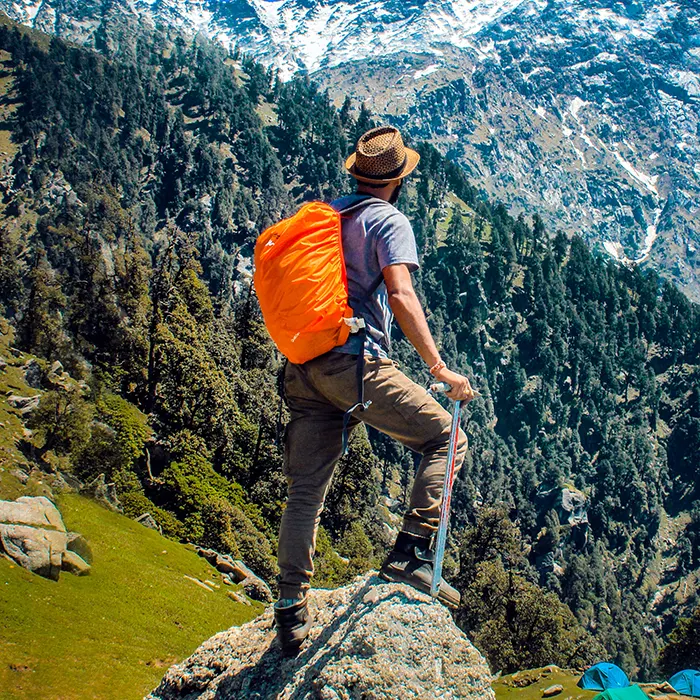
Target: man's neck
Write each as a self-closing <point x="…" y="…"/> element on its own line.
<point x="379" y="192"/>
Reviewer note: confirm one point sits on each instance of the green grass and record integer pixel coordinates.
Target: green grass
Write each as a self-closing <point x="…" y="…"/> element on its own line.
<point x="111" y="634"/>
<point x="528" y="685"/>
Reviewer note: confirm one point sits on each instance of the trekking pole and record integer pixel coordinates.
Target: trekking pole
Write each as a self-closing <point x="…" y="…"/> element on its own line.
<point x="446" y="491"/>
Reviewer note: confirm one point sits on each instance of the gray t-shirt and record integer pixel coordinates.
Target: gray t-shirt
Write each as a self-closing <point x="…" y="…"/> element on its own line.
<point x="374" y="236"/>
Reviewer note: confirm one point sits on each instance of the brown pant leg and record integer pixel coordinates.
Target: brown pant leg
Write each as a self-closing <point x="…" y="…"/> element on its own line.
<point x="313" y="445"/>
<point x="407" y="412"/>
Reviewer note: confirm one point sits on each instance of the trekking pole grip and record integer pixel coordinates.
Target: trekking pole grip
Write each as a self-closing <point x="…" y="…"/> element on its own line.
<point x="440" y="388"/>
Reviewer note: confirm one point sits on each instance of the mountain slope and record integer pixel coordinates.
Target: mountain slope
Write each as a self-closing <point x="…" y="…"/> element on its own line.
<point x="586" y="112"/>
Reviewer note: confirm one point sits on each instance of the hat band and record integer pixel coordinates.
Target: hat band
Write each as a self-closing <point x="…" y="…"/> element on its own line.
<point x="383" y="176"/>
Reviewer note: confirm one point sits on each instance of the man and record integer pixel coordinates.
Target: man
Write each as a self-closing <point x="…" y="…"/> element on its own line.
<point x="379" y="246"/>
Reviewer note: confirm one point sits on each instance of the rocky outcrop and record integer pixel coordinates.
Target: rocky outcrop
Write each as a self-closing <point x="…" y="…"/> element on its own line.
<point x="238" y="572"/>
<point x="32" y="534"/>
<point x="102" y="492"/>
<point x="370" y="640"/>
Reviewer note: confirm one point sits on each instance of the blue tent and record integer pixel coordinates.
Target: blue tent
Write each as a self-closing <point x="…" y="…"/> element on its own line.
<point x="603" y="676"/>
<point x="687" y="683"/>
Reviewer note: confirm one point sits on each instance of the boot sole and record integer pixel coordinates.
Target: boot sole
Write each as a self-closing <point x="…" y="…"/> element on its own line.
<point x="418" y="585"/>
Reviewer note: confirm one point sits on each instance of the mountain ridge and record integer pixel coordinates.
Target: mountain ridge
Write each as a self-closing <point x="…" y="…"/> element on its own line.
<point x="588" y="113"/>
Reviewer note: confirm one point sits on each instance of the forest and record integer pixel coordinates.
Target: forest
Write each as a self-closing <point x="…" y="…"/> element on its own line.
<point x="133" y="187"/>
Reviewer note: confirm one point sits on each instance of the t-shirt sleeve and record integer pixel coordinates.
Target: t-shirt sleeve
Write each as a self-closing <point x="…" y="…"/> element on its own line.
<point x="396" y="243"/>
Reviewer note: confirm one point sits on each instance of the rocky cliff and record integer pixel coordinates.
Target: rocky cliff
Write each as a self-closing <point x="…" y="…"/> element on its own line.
<point x="370" y="640"/>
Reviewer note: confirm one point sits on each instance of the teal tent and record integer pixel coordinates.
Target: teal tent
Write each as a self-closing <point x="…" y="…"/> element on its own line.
<point x="687" y="683"/>
<point x="631" y="692"/>
<point x="603" y="676"/>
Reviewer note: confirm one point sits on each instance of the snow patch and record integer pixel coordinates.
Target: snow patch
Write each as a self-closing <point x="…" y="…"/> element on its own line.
<point x="650" y="182"/>
<point x="575" y="106"/>
<point x="426" y="71"/>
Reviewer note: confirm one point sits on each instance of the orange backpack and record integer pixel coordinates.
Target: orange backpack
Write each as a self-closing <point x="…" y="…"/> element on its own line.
<point x="301" y="283"/>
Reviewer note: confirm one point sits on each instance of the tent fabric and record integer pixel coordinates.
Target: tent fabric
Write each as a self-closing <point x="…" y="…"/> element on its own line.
<point x="687" y="683"/>
<point x="631" y="692"/>
<point x="603" y="676"/>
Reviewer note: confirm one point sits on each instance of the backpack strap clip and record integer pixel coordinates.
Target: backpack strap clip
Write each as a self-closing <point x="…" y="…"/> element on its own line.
<point x="356" y="324"/>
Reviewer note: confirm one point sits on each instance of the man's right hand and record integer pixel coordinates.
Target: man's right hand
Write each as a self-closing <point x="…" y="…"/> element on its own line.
<point x="461" y="388"/>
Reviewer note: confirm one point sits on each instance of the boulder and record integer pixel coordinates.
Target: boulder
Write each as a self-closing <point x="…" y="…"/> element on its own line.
<point x="40" y="551"/>
<point x="35" y="511"/>
<point x="104" y="493"/>
<point x="257" y="589"/>
<point x="3" y="364"/>
<point x="32" y="533"/>
<point x="78" y="544"/>
<point x="33" y="374"/>
<point x="370" y="640"/>
<point x="552" y="691"/>
<point x="147" y="520"/>
<point x="238" y="572"/>
<point x="24" y="404"/>
<point x="74" y="564"/>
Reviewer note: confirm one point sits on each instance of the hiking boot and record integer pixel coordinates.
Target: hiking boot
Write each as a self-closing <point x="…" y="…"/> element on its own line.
<point x="293" y="623"/>
<point x="411" y="562"/>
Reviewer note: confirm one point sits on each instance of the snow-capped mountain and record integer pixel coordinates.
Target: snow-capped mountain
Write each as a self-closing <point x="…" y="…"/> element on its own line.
<point x="585" y="111"/>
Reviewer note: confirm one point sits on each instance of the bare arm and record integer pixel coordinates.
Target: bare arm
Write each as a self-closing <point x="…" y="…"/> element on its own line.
<point x="411" y="319"/>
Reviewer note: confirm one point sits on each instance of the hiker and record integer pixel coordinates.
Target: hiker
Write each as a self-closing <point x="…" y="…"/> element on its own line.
<point x="380" y="252"/>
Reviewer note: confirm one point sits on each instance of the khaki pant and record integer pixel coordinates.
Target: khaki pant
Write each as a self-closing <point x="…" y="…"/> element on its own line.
<point x="318" y="393"/>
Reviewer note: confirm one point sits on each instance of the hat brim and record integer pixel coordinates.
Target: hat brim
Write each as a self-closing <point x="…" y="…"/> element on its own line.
<point x="412" y="159"/>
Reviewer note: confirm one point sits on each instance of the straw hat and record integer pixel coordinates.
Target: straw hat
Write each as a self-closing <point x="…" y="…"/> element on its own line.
<point x="380" y="157"/>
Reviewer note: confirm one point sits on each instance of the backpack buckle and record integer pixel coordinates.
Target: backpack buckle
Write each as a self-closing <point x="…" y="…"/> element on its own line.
<point x="356" y="324"/>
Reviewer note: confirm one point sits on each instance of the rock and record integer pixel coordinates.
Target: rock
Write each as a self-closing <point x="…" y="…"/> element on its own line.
<point x="33" y="534"/>
<point x="24" y="404"/>
<point x="3" y="364"/>
<point x="20" y="475"/>
<point x="102" y="492"/>
<point x="73" y="483"/>
<point x="398" y="643"/>
<point x="78" y="544"/>
<point x="238" y="572"/>
<point x="33" y="511"/>
<point x="56" y="368"/>
<point x="238" y="597"/>
<point x="552" y="691"/>
<point x="74" y="564"/>
<point x="33" y="374"/>
<point x="257" y="589"/>
<point x="40" y="551"/>
<point x="147" y="520"/>
<point x="199" y="583"/>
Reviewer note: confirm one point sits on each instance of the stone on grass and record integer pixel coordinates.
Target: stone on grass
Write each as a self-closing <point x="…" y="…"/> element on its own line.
<point x="32" y="533"/>
<point x="78" y="544"/>
<point x="257" y="589"/>
<point x="20" y="475"/>
<point x="238" y="572"/>
<point x="147" y="520"/>
<point x="24" y="404"/>
<point x="102" y="492"/>
<point x="74" y="564"/>
<point x="33" y="374"/>
<point x="370" y="640"/>
<point x="552" y="691"/>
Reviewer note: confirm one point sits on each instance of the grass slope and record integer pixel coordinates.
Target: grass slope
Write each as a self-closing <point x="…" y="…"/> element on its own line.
<point x="111" y="634"/>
